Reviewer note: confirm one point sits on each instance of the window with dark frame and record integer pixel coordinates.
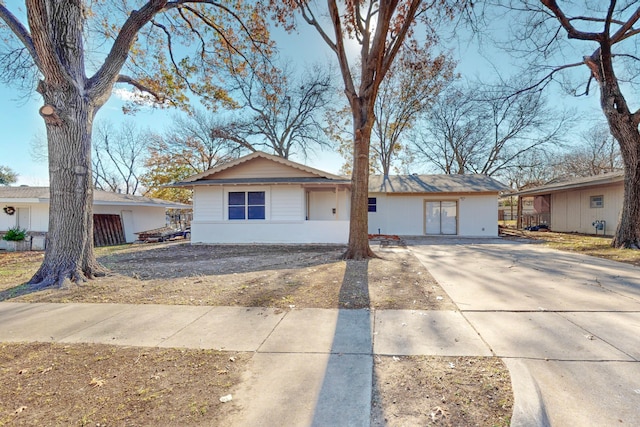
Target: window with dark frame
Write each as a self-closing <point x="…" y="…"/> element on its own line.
<point x="372" y="206"/>
<point x="596" y="202"/>
<point x="246" y="205"/>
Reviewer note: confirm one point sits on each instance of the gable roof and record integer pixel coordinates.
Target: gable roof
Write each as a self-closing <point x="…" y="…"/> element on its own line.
<point x="474" y="183"/>
<point x="208" y="176"/>
<point x="574" y="183"/>
<point x="26" y="194"/>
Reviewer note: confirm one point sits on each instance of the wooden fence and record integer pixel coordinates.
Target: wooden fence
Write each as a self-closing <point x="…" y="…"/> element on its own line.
<point x="108" y="230"/>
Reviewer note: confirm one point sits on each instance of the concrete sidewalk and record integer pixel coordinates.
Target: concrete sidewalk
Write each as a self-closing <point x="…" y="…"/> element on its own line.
<point x="567" y="325"/>
<point x="310" y="367"/>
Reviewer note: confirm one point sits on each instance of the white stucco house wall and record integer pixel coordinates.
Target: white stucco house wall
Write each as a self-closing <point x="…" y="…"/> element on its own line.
<point x="28" y="207"/>
<point x="576" y="204"/>
<point x="262" y="198"/>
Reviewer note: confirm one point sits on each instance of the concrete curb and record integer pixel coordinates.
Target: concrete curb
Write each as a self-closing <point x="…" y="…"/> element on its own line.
<point x="528" y="406"/>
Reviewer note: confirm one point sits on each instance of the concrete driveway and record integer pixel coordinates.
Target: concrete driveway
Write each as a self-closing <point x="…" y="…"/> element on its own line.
<point x="567" y="325"/>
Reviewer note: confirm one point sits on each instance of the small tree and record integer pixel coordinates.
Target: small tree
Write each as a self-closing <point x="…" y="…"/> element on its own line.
<point x="7" y="175"/>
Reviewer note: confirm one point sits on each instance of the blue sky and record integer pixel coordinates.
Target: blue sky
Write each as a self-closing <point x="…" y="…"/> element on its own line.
<point x="21" y="122"/>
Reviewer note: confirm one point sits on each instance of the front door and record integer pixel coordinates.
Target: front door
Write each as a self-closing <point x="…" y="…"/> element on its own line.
<point x="22" y="218"/>
<point x="441" y="217"/>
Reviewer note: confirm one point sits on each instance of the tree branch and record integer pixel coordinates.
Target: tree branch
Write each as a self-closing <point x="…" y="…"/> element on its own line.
<point x="141" y="87"/>
<point x="621" y="34"/>
<point x="572" y="32"/>
<point x="101" y="82"/>
<point x="20" y="32"/>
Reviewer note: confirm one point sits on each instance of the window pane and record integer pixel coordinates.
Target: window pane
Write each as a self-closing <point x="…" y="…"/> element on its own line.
<point x="372" y="204"/>
<point x="433" y="218"/>
<point x="236" y="212"/>
<point x="449" y="217"/>
<point x="256" y="197"/>
<point x="236" y="198"/>
<point x="256" y="212"/>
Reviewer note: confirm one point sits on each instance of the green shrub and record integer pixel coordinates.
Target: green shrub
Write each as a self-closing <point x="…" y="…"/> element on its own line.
<point x="15" y="234"/>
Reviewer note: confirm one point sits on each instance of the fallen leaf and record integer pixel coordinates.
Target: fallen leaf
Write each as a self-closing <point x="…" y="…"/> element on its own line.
<point x="97" y="382"/>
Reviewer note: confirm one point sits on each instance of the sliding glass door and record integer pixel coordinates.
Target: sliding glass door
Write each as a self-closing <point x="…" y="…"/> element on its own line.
<point x="441" y="217"/>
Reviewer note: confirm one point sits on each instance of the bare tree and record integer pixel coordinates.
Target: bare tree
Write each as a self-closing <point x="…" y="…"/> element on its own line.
<point x="279" y="112"/>
<point x="187" y="148"/>
<point x="118" y="158"/>
<point x="598" y="153"/>
<point x="380" y="28"/>
<point x="484" y="130"/>
<point x="53" y="39"/>
<point x="194" y="142"/>
<point x="606" y="33"/>
<point x="411" y="87"/>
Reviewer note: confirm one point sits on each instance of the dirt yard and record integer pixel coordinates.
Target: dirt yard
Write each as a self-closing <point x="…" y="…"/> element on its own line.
<point x="50" y="384"/>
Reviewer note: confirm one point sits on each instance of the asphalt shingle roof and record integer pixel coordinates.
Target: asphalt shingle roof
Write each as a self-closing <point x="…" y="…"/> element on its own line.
<point x="473" y="183"/>
<point x="581" y="182"/>
<point x="99" y="197"/>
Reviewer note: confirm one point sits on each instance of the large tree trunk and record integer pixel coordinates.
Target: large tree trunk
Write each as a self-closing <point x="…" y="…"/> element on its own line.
<point x="69" y="254"/>
<point x="624" y="127"/>
<point x="627" y="135"/>
<point x="359" y="219"/>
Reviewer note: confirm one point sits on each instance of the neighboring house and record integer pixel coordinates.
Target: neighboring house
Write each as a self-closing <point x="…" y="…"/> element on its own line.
<point x="578" y="205"/>
<point x="116" y="216"/>
<point x="262" y="198"/>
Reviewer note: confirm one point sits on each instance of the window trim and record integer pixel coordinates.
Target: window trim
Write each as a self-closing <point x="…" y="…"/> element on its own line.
<point x="246" y="207"/>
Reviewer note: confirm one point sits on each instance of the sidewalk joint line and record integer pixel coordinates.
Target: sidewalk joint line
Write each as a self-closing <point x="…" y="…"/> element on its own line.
<point x="186" y="326"/>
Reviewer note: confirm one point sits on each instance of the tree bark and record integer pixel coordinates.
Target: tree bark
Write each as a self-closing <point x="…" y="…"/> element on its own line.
<point x="625" y="131"/>
<point x="69" y="253"/>
<point x="359" y="218"/>
<point x="623" y="125"/>
<point x="68" y="112"/>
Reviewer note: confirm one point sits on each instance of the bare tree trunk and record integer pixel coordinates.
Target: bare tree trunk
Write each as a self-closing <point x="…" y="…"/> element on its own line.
<point x="627" y="135"/>
<point x="623" y="125"/>
<point x="359" y="218"/>
<point x="69" y="252"/>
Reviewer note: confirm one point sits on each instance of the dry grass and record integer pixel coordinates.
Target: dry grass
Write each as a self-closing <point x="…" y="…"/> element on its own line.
<point x="597" y="246"/>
